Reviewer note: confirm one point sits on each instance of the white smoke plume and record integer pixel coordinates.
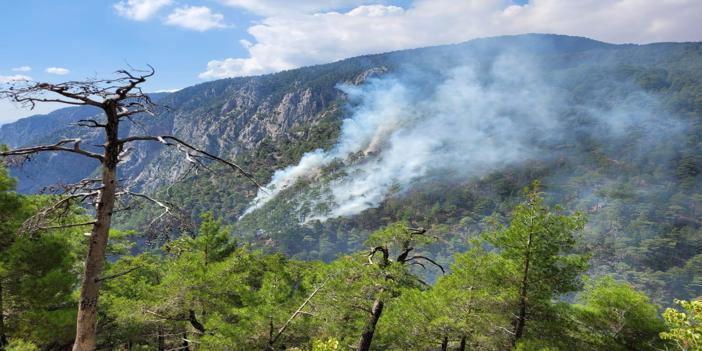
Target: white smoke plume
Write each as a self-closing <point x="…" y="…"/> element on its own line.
<point x="462" y="124"/>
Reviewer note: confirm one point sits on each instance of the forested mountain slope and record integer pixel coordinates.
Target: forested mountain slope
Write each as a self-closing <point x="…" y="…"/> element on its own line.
<point x="610" y="130"/>
<point x="230" y="116"/>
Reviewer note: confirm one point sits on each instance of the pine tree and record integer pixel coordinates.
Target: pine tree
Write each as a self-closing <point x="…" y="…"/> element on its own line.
<point x="539" y="241"/>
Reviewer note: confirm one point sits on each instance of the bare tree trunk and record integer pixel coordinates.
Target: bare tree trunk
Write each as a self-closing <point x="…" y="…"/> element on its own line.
<point x="367" y="336"/>
<point x="161" y="338"/>
<point x="94" y="262"/>
<point x="444" y="343"/>
<point x="462" y="345"/>
<point x="3" y="337"/>
<point x="119" y="98"/>
<point x="520" y="320"/>
<point x="186" y="346"/>
<point x="86" y="326"/>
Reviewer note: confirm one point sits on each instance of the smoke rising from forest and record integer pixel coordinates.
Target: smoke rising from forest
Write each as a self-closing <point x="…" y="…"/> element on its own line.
<point x="467" y="122"/>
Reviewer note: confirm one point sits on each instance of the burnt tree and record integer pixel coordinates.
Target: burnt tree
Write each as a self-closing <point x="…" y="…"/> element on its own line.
<point x="405" y="238"/>
<point x="120" y="99"/>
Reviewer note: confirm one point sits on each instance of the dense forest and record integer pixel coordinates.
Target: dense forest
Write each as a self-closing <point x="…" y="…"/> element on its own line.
<point x="521" y="285"/>
<point x="583" y="233"/>
<point x="639" y="185"/>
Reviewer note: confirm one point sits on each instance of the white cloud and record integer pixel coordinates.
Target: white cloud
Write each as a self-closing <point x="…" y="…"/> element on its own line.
<point x="14" y="78"/>
<point x="58" y="70"/>
<point x="198" y="18"/>
<point x="139" y="10"/>
<point x="274" y="7"/>
<point x="167" y="90"/>
<point x="285" y="40"/>
<point x="22" y="69"/>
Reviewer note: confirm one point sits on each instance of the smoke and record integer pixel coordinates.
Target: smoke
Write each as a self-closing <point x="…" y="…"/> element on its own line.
<point x="467" y="121"/>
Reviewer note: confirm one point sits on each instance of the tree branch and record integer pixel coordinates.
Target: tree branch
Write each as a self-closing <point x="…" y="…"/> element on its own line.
<point x="117" y="275"/>
<point x="419" y="257"/>
<point x="170" y="140"/>
<point x="90" y="123"/>
<point x="172" y="219"/>
<point x="55" y="147"/>
<point x="297" y="312"/>
<point x="36" y="223"/>
<point x="166" y="208"/>
<point x="63" y="226"/>
<point x="133" y="81"/>
<point x="375" y="250"/>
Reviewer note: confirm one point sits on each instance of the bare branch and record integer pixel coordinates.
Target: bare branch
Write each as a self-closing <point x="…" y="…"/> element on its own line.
<point x="90" y="123"/>
<point x="117" y="275"/>
<point x="416" y="231"/>
<point x="84" y="185"/>
<point x="63" y="226"/>
<point x="168" y="221"/>
<point x="55" y="147"/>
<point x="32" y="102"/>
<point x="402" y="257"/>
<point x="30" y="93"/>
<point x="381" y="249"/>
<point x="133" y="81"/>
<point x="297" y="312"/>
<point x="419" y="257"/>
<point x="38" y="222"/>
<point x="166" y="208"/>
<point x="169" y="140"/>
<point x="418" y="264"/>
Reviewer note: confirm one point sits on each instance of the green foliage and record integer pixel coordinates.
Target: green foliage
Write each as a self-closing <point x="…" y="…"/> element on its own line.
<point x="329" y="344"/>
<point x="20" y="345"/>
<point x="465" y="304"/>
<point x="685" y="327"/>
<point x="215" y="294"/>
<point x="614" y="316"/>
<point x="535" y="345"/>
<point x="207" y="289"/>
<point x="541" y="241"/>
<point x="12" y="209"/>
<point x="38" y="274"/>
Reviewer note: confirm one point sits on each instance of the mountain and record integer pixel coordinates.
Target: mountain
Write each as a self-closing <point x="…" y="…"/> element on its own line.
<point x="232" y="116"/>
<point x="443" y="136"/>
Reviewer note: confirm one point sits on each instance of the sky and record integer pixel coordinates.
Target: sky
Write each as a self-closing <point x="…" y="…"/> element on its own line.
<point x="193" y="41"/>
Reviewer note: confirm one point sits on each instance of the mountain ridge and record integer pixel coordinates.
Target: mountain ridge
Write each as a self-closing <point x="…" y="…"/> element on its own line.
<point x="265" y="115"/>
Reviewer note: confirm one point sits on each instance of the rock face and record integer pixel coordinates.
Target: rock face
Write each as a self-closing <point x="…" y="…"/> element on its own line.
<point x="225" y="117"/>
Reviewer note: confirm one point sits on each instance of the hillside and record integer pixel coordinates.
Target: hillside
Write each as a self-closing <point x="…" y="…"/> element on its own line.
<point x="232" y="116"/>
<point x="610" y="130"/>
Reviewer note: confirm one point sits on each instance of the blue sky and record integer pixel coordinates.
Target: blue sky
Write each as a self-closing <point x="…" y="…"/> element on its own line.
<point x="88" y="37"/>
<point x="191" y="41"/>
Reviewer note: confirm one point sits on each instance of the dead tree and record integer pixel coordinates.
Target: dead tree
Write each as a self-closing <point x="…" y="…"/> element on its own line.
<point x="406" y="245"/>
<point x="121" y="99"/>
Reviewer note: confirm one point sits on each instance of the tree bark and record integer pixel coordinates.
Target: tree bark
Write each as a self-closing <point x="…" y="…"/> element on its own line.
<point x="444" y="343"/>
<point x="3" y="337"/>
<point x="520" y="320"/>
<point x="186" y="345"/>
<point x="86" y="326"/>
<point x="161" y="338"/>
<point x="367" y="336"/>
<point x="195" y="323"/>
<point x="462" y="345"/>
